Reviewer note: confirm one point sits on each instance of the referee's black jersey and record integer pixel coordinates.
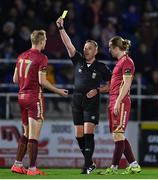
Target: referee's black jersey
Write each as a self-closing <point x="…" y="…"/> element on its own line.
<point x="87" y="78"/>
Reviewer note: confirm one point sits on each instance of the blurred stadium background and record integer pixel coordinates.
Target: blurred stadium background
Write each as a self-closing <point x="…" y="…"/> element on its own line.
<point x="100" y="20"/>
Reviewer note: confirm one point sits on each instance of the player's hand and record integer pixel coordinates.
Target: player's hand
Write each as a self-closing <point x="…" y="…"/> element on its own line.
<point x="60" y="22"/>
<point x="63" y="92"/>
<point x="92" y="93"/>
<point x="116" y="108"/>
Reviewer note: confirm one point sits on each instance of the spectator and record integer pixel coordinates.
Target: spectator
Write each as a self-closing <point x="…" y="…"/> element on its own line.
<point x="152" y="89"/>
<point x="107" y="33"/>
<point x="110" y="12"/>
<point x="143" y="61"/>
<point x="32" y="20"/>
<point x="131" y="19"/>
<point x="7" y="36"/>
<point x="23" y="39"/>
<point x="92" y="19"/>
<point x="54" y="47"/>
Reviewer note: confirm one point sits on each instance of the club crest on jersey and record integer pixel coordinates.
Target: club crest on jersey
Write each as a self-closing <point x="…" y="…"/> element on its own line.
<point x="94" y="75"/>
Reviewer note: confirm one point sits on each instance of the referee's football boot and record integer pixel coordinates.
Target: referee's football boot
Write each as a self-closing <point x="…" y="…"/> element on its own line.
<point x="89" y="170"/>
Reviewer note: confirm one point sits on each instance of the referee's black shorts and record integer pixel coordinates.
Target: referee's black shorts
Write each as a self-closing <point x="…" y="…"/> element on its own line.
<point x="85" y="109"/>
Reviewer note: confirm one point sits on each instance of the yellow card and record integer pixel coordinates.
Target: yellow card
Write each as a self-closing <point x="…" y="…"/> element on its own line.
<point x="64" y="14"/>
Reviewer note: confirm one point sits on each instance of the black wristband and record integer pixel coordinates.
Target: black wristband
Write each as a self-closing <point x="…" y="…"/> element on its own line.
<point x="60" y="28"/>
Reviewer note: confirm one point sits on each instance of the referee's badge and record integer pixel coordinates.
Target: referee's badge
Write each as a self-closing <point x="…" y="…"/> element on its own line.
<point x="79" y="70"/>
<point x="94" y="75"/>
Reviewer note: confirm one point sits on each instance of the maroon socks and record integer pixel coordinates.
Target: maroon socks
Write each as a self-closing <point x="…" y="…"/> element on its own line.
<point x="22" y="148"/>
<point x="119" y="149"/>
<point x="32" y="150"/>
<point x="128" y="152"/>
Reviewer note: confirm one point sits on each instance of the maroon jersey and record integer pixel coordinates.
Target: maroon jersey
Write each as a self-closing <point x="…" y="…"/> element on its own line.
<point x="28" y="65"/>
<point x="124" y="66"/>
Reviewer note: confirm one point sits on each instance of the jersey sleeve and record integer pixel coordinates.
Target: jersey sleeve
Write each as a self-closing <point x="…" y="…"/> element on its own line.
<point x="77" y="58"/>
<point x="43" y="63"/>
<point x="128" y="68"/>
<point x="106" y="72"/>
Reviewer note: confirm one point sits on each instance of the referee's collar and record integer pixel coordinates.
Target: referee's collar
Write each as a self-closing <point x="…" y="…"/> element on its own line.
<point x="91" y="64"/>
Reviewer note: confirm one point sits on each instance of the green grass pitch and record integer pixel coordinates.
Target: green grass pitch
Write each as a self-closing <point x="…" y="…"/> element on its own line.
<point x="147" y="173"/>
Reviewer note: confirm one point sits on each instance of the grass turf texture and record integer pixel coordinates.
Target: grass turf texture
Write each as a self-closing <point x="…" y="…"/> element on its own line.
<point x="147" y="173"/>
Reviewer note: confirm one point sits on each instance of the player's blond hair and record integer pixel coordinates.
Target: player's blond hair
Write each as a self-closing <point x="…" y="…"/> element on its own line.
<point x="118" y="41"/>
<point x="38" y="36"/>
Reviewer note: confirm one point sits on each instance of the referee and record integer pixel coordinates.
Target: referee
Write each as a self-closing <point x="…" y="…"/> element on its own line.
<point x="89" y="74"/>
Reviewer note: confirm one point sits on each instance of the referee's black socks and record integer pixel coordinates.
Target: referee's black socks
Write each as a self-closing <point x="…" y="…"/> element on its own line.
<point x="81" y="143"/>
<point x="89" y="149"/>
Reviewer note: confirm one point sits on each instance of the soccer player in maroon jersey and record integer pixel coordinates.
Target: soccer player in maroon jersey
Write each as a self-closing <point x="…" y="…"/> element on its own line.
<point x="30" y="74"/>
<point x="120" y="105"/>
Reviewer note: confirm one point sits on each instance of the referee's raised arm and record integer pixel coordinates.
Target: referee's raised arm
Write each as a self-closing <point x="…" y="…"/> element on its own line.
<point x="65" y="38"/>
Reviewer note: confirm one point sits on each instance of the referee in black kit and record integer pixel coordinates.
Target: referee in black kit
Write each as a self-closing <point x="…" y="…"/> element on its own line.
<point x="89" y="74"/>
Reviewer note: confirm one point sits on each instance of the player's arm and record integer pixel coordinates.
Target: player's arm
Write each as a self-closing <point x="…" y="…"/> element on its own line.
<point x="65" y="38"/>
<point x="15" y="76"/>
<point x="127" y="81"/>
<point x="46" y="84"/>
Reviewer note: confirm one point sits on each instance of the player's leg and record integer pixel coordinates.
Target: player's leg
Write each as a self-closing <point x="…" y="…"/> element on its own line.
<point x="117" y="127"/>
<point x="128" y="152"/>
<point x="36" y="118"/>
<point x="118" y="134"/>
<point x="22" y="145"/>
<point x="117" y="154"/>
<point x="121" y="144"/>
<point x="34" y="132"/>
<point x="133" y="164"/>
<point x="118" y="138"/>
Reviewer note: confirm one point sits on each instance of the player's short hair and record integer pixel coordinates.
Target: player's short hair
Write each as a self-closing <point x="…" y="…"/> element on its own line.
<point x="38" y="36"/>
<point x="118" y="41"/>
<point x="92" y="42"/>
